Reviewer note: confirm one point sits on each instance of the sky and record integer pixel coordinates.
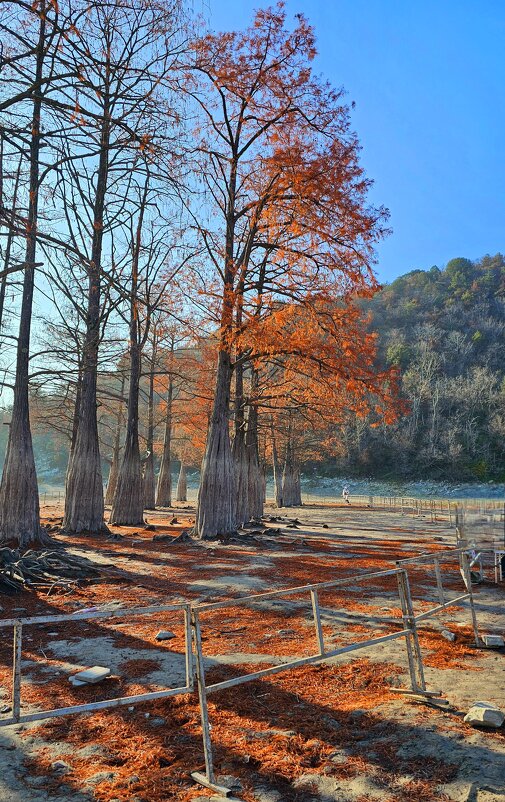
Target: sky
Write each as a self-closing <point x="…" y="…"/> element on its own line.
<point x="428" y="80"/>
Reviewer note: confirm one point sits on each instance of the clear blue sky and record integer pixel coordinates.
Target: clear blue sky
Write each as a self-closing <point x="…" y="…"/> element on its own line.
<point x="428" y="79"/>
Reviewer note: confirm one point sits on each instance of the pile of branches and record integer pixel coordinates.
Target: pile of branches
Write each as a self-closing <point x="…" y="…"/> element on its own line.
<point x="46" y="569"/>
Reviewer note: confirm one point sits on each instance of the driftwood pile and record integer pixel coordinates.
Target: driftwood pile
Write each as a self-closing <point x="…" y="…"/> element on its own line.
<point x="46" y="569"/>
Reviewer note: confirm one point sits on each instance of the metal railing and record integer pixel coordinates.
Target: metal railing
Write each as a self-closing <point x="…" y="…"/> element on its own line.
<point x="193" y="613"/>
<point x="19" y="623"/>
<point x="436" y="558"/>
<point x="408" y="632"/>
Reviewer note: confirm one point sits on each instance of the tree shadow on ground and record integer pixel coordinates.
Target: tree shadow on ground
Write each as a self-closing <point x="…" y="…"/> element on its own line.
<point x="247" y="713"/>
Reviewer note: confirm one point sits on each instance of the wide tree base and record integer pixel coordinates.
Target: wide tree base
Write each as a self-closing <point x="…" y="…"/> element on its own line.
<point x="100" y="530"/>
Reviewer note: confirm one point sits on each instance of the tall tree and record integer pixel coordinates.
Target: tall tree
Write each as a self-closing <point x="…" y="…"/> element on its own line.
<point x="19" y="498"/>
<point x="280" y="162"/>
<point x="125" y="61"/>
<point x="149" y="483"/>
<point x="164" y="485"/>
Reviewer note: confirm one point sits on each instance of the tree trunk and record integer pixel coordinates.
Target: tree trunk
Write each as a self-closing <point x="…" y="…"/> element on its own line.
<point x="19" y="495"/>
<point x="164" y="489"/>
<point x="114" y="469"/>
<point x="75" y="417"/>
<point x="182" y="485"/>
<point x="149" y="482"/>
<point x="116" y="453"/>
<point x="277" y="473"/>
<point x="128" y="503"/>
<point x="242" y="514"/>
<point x="254" y="480"/>
<point x="216" y="505"/>
<point x="84" y="502"/>
<point x="291" y="489"/>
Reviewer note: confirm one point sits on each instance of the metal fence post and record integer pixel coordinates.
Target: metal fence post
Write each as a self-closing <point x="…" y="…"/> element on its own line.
<point x="202" y="696"/>
<point x="467" y="576"/>
<point x="208" y="779"/>
<point x="190" y="679"/>
<point x="440" y="587"/>
<point x="16" y="672"/>
<point x="317" y="621"/>
<point x="412" y="641"/>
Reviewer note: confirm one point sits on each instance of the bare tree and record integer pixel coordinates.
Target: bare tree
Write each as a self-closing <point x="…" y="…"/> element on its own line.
<point x="128" y="54"/>
<point x="19" y="498"/>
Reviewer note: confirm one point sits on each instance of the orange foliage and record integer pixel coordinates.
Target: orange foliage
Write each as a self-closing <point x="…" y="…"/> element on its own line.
<point x="291" y="243"/>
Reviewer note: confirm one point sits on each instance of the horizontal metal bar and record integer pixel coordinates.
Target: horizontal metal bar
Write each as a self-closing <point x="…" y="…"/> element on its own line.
<point x="119" y="613"/>
<point x="123" y="700"/>
<point x="417" y="692"/>
<point x="439" y="607"/>
<point x="437" y="555"/>
<point x="241" y="600"/>
<point x="303" y="661"/>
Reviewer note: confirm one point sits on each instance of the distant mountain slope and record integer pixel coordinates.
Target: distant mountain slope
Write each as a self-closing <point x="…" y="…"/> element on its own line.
<point x="445" y="330"/>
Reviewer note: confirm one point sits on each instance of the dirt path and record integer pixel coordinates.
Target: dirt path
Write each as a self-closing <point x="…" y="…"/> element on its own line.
<point x="332" y="732"/>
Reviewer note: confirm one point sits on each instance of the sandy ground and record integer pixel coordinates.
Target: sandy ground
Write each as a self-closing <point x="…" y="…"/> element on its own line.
<point x="331" y="732"/>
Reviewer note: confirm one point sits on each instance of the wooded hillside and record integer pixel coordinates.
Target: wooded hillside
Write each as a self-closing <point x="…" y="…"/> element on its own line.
<point x="444" y="329"/>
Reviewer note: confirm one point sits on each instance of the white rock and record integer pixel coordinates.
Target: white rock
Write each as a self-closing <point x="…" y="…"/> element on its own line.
<point x="92" y="675"/>
<point x="76" y="682"/>
<point x="485" y="714"/>
<point x="165" y="635"/>
<point x="448" y="635"/>
<point x="493" y="640"/>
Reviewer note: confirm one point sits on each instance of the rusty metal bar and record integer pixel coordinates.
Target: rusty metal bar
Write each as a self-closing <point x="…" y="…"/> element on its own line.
<point x="241" y="600"/>
<point x="439" y="607"/>
<point x="407" y="623"/>
<point x="465" y="565"/>
<point x="438" y="555"/>
<point x="415" y="638"/>
<point x="440" y="586"/>
<point x="119" y="613"/>
<point x="90" y="706"/>
<point x="17" y="717"/>
<point x="202" y="695"/>
<point x="317" y="620"/>
<point x="190" y="679"/>
<point x="303" y="661"/>
<point x="16" y="672"/>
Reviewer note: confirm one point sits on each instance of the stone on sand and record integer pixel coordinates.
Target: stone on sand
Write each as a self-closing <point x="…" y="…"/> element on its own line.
<point x="90" y="675"/>
<point x="495" y="641"/>
<point x="485" y="714"/>
<point x="165" y="634"/>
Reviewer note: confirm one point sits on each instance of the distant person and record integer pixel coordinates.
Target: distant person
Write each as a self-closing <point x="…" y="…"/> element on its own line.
<point x="345" y="494"/>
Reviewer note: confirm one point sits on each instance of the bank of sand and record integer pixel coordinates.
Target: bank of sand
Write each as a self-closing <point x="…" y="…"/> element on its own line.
<point x="331" y="732"/>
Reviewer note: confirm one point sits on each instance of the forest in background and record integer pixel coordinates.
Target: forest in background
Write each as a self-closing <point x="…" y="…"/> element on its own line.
<point x="444" y="331"/>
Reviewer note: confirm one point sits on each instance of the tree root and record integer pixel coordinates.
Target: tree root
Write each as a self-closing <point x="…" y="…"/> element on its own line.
<point x="48" y="569"/>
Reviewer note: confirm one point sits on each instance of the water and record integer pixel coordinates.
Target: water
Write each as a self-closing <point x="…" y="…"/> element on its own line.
<point x="329" y="488"/>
